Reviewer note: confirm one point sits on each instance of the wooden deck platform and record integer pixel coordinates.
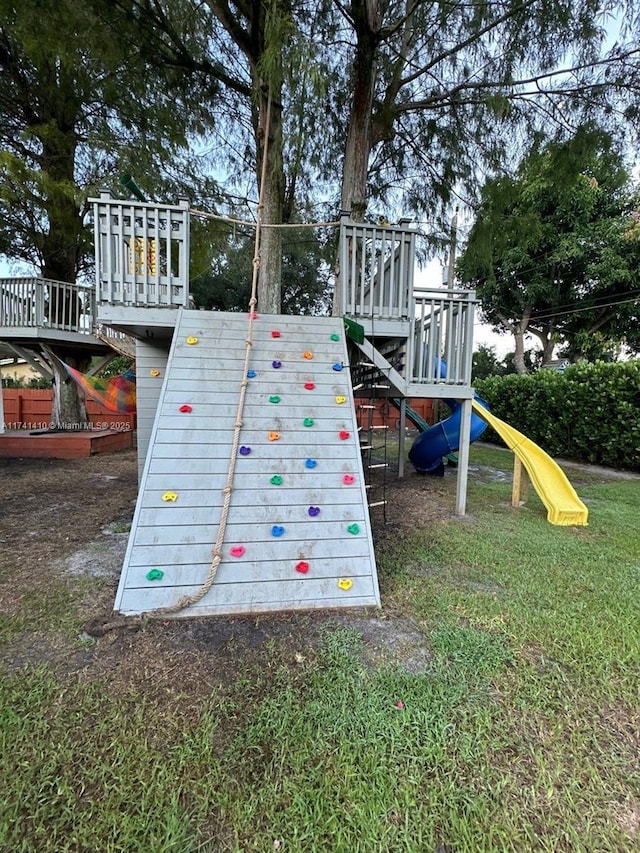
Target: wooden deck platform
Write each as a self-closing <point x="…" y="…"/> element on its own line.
<point x="18" y="444"/>
<point x="298" y="535"/>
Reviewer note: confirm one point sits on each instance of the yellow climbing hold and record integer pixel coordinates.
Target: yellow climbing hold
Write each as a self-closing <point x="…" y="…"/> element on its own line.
<point x="340" y="399"/>
<point x="192" y="340"/>
<point x="170" y="496"/>
<point x="345" y="583"/>
<point x="154" y="372"/>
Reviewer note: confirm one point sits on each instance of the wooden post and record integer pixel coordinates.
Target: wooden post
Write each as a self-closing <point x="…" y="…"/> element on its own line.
<point x="402" y="423"/>
<point x="520" y="490"/>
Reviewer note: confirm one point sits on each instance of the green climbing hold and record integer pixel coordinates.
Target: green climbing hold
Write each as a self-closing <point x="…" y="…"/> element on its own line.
<point x="154" y="575"/>
<point x="276" y="480"/>
<point x="335" y="337"/>
<point x="307" y="422"/>
<point x="353" y="529"/>
<point x="274" y="398"/>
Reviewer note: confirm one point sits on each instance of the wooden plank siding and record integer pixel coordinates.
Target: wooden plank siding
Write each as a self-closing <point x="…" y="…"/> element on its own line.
<point x="189" y="455"/>
<point x="149" y="358"/>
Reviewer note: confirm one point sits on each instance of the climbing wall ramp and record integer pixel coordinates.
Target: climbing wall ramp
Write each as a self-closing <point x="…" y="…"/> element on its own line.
<point x="298" y="535"/>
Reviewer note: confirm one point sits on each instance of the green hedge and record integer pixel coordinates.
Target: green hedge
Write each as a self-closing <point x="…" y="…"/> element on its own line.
<point x="590" y="413"/>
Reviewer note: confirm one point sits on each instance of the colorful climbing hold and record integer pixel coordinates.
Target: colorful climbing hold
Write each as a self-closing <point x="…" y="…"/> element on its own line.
<point x="343" y="435"/>
<point x="308" y="355"/>
<point x="345" y="583"/>
<point x="277" y="530"/>
<point x="170" y="497"/>
<point x="309" y="386"/>
<point x="314" y="511"/>
<point x="337" y="367"/>
<point x="274" y="436"/>
<point x="192" y="340"/>
<point x="302" y="567"/>
<point x="334" y="337"/>
<point x="277" y="364"/>
<point x="308" y="422"/>
<point x="154" y="372"/>
<point x="186" y="408"/>
<point x="274" y="398"/>
<point x="348" y="479"/>
<point x="253" y="315"/>
<point x="354" y="529"/>
<point x="237" y="550"/>
<point x="251" y="374"/>
<point x="244" y="450"/>
<point x="154" y="575"/>
<point x="340" y="399"/>
<point x="310" y="463"/>
<point x="276" y="480"/>
<point x="275" y="333"/>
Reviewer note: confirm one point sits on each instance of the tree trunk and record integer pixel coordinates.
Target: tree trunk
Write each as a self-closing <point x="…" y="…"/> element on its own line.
<point x="353" y="197"/>
<point x="270" y="270"/>
<point x="518" y="358"/>
<point x="61" y="251"/>
<point x="69" y="408"/>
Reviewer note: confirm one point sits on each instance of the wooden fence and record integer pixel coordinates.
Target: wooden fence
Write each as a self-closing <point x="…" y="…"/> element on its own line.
<point x="30" y="409"/>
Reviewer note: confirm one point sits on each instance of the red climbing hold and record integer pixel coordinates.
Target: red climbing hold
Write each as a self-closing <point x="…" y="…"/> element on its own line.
<point x="302" y="567"/>
<point x="309" y="386"/>
<point x="344" y="435"/>
<point x="185" y="408"/>
<point x="275" y="333"/>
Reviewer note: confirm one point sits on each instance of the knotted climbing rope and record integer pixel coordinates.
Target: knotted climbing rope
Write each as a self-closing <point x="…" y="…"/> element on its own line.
<point x="216" y="553"/>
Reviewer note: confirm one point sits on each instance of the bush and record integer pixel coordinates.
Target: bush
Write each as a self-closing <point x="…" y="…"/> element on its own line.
<point x="590" y="413"/>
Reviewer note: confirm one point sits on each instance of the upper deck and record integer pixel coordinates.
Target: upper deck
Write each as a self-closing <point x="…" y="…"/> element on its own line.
<point x="142" y="280"/>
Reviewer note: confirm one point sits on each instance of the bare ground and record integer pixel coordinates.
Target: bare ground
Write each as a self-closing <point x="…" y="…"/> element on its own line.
<point x="63" y="534"/>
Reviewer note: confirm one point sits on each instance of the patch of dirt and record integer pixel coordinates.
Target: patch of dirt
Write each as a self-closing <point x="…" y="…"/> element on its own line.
<point x="64" y="525"/>
<point x="63" y="535"/>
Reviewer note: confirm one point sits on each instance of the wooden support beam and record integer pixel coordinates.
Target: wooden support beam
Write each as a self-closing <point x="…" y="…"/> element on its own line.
<point x="520" y="490"/>
<point x="33" y="359"/>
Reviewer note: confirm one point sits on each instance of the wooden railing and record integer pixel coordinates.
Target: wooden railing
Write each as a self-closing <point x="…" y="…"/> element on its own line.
<point x="376" y="264"/>
<point x="142" y="252"/>
<point x="443" y="332"/>
<point x="31" y="302"/>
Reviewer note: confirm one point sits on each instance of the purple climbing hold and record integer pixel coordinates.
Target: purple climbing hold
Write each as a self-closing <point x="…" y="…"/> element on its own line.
<point x="245" y="451"/>
<point x="276" y="364"/>
<point x="313" y="511"/>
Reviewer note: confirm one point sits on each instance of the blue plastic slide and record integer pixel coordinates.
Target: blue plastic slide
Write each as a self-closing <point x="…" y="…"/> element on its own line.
<point x="443" y="438"/>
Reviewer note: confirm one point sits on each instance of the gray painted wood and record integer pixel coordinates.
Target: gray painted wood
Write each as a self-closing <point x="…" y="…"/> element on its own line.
<point x="188" y="454"/>
<point x="149" y="357"/>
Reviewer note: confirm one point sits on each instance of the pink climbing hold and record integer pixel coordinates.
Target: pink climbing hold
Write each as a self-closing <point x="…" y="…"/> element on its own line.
<point x="237" y="550"/>
<point x="348" y="479"/>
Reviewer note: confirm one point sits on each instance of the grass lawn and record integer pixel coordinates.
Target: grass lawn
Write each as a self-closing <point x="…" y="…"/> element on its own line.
<point x="521" y="733"/>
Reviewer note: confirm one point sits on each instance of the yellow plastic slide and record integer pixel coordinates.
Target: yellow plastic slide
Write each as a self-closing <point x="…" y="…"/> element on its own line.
<point x="564" y="507"/>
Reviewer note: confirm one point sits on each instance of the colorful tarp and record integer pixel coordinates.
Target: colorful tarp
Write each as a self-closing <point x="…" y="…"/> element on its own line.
<point x="117" y="394"/>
